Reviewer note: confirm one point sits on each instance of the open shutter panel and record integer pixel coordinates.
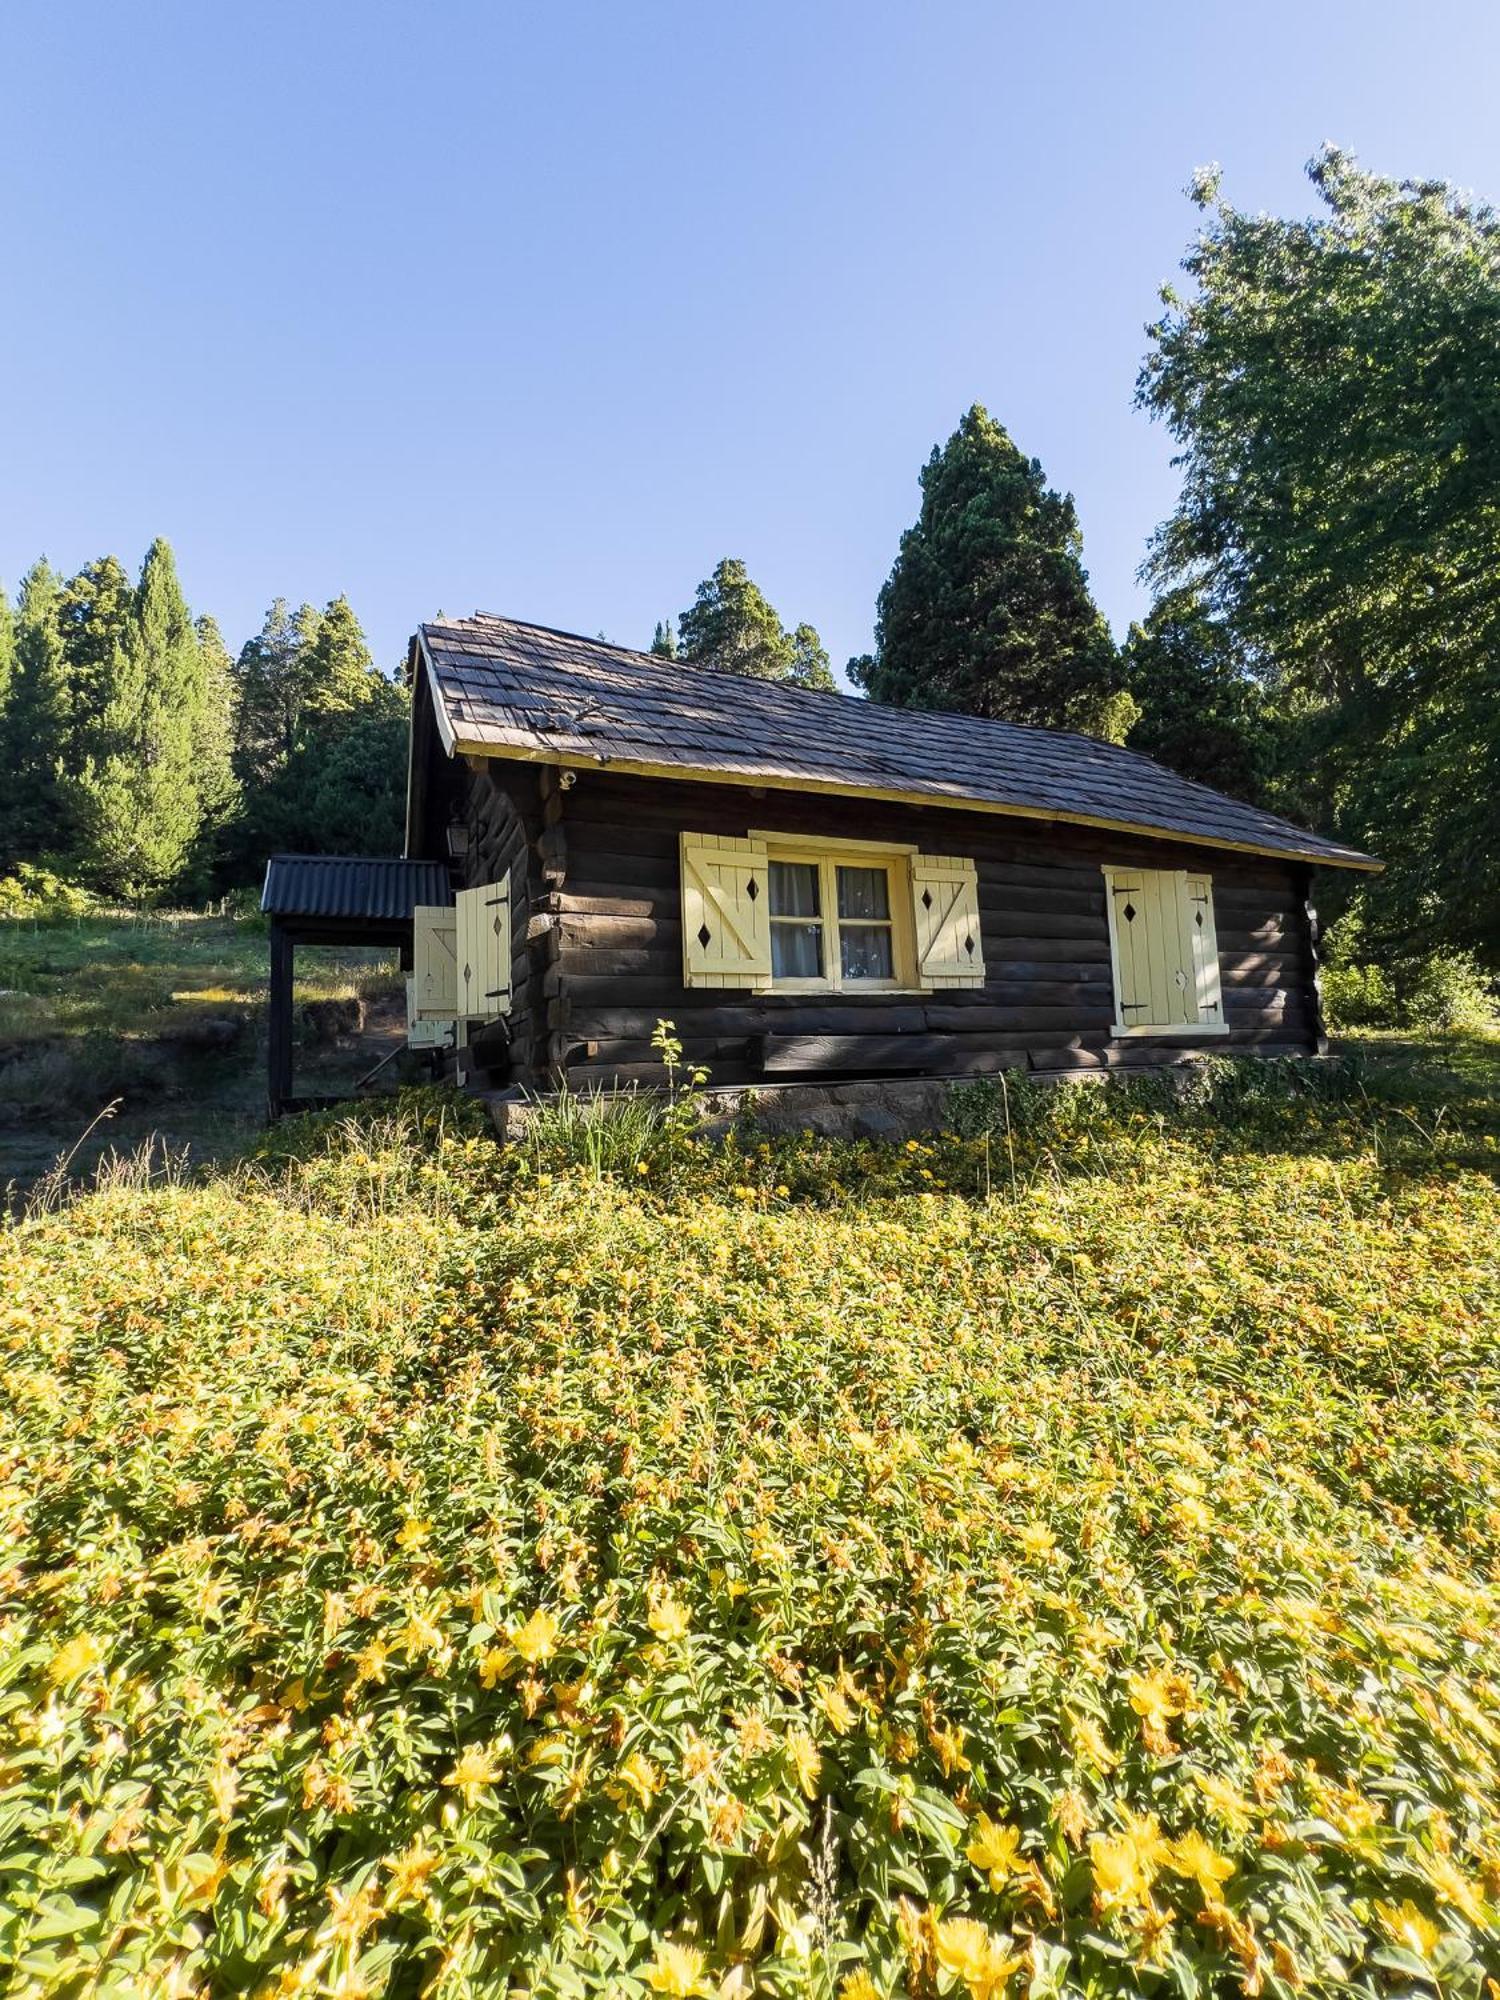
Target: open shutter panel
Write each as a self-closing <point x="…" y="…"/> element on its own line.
<point x="945" y="909"/>
<point x="1130" y="920"/>
<point x="1203" y="939"/>
<point x="434" y="963"/>
<point x="1166" y="960"/>
<point x="425" y="1031"/>
<point x="726" y="911"/>
<point x="483" y="952"/>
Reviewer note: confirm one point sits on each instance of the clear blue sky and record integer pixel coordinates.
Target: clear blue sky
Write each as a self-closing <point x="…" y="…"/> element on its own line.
<point x="543" y="309"/>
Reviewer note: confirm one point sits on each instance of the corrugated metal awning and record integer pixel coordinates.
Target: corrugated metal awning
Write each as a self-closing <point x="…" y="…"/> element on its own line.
<point x="351" y="887"/>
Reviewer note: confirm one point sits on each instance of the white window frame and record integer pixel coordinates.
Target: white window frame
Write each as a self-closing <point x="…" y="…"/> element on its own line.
<point x="1144" y="1030"/>
<point x="828" y="857"/>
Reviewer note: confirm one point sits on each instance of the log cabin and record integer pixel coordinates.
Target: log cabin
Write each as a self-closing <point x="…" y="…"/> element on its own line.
<point x="811" y="886"/>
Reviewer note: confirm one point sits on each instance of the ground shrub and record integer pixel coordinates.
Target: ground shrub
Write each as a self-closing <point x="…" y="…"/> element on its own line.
<point x="1060" y="1557"/>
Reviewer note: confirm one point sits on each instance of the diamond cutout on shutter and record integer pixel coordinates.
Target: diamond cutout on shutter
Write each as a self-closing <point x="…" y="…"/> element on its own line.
<point x="926" y="899"/>
<point x="468" y="974"/>
<point x="1130" y="913"/>
<point x="751" y="889"/>
<point x="969" y="944"/>
<point x="704" y="936"/>
<point x="1198" y="920"/>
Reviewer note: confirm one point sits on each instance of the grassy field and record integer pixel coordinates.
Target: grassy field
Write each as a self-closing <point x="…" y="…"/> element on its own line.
<point x="164" y="1013"/>
<point x="1059" y="1560"/>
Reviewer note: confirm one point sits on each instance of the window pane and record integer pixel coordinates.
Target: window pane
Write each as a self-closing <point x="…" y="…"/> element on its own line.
<point x="796" y="950"/>
<point x="864" y="892"/>
<point x="794" y="889"/>
<point x="866" y="951"/>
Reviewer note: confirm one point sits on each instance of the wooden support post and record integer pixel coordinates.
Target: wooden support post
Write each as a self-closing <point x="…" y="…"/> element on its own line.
<point x="279" y="1024"/>
<point x="1312" y="938"/>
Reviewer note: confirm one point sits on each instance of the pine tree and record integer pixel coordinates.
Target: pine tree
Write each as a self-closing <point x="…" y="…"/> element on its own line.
<point x="96" y="612"/>
<point x="732" y="628"/>
<point x="987" y="609"/>
<point x="274" y="687"/>
<point x="38" y="807"/>
<point x="213" y="748"/>
<point x="336" y="668"/>
<point x="143" y="804"/>
<point x="664" y="640"/>
<point x="7" y="651"/>
<point x="1200" y="712"/>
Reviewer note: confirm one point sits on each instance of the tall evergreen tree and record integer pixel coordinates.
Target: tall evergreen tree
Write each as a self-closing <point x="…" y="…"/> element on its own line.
<point x="143" y="804"/>
<point x="38" y="805"/>
<point x="213" y="744"/>
<point x="664" y="640"/>
<point x="274" y="688"/>
<point x="732" y="628"/>
<point x="987" y="609"/>
<point x="96" y="613"/>
<point x="7" y="650"/>
<point x="337" y="668"/>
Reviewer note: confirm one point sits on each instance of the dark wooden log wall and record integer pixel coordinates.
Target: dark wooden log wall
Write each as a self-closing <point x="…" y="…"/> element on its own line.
<point x="603" y="943"/>
<point x="504" y="813"/>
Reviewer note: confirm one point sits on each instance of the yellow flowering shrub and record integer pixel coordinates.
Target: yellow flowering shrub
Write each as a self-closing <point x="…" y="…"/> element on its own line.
<point x="1066" y="1569"/>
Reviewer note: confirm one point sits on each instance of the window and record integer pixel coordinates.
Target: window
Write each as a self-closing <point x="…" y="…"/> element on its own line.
<point x="833" y="921"/>
<point x="763" y="911"/>
<point x="1164" y="952"/>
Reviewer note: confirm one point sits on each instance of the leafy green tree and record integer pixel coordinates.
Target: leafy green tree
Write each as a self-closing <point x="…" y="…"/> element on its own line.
<point x="38" y="802"/>
<point x="987" y="608"/>
<point x="142" y="803"/>
<point x="664" y="640"/>
<point x="1334" y="385"/>
<point x="731" y="628"/>
<point x="1201" y="713"/>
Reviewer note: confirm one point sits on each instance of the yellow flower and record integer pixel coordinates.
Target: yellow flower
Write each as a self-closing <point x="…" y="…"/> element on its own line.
<point x="536" y="1640"/>
<point x="409" y="1872"/>
<point x="859" y="1986"/>
<point x="79" y="1655"/>
<point x="1126" y="1864"/>
<point x="1037" y="1540"/>
<point x="677" y="1969"/>
<point x="1455" y="1888"/>
<point x="967" y="1950"/>
<point x="637" y="1777"/>
<point x="1410" y="1926"/>
<point x="995" y="1850"/>
<point x="412" y="1534"/>
<point x="668" y="1619"/>
<point x="806" y="1761"/>
<point x="1225" y="1800"/>
<point x="1156" y="1698"/>
<point x="642" y="1168"/>
<point x="475" y="1770"/>
<point x="1190" y="1855"/>
<point x="837" y="1707"/>
<point x="495" y="1664"/>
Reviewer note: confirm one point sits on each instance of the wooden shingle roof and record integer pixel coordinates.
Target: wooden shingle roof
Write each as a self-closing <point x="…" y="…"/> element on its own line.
<point x="504" y="689"/>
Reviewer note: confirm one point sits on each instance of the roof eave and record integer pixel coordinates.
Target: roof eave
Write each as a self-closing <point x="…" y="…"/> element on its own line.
<point x="463" y="746"/>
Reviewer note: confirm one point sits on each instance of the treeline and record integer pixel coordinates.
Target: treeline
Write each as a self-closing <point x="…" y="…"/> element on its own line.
<point x="142" y="760"/>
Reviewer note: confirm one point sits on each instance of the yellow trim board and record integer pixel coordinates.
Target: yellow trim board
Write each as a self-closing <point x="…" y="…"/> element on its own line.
<point x="830" y="787"/>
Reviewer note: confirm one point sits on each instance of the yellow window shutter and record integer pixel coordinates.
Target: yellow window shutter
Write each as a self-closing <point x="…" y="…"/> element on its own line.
<point x="425" y="1031"/>
<point x="1198" y="897"/>
<point x="726" y="911"/>
<point x="434" y="980"/>
<point x="483" y="951"/>
<point x="945" y="911"/>
<point x="1128" y="919"/>
<point x="1162" y="954"/>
